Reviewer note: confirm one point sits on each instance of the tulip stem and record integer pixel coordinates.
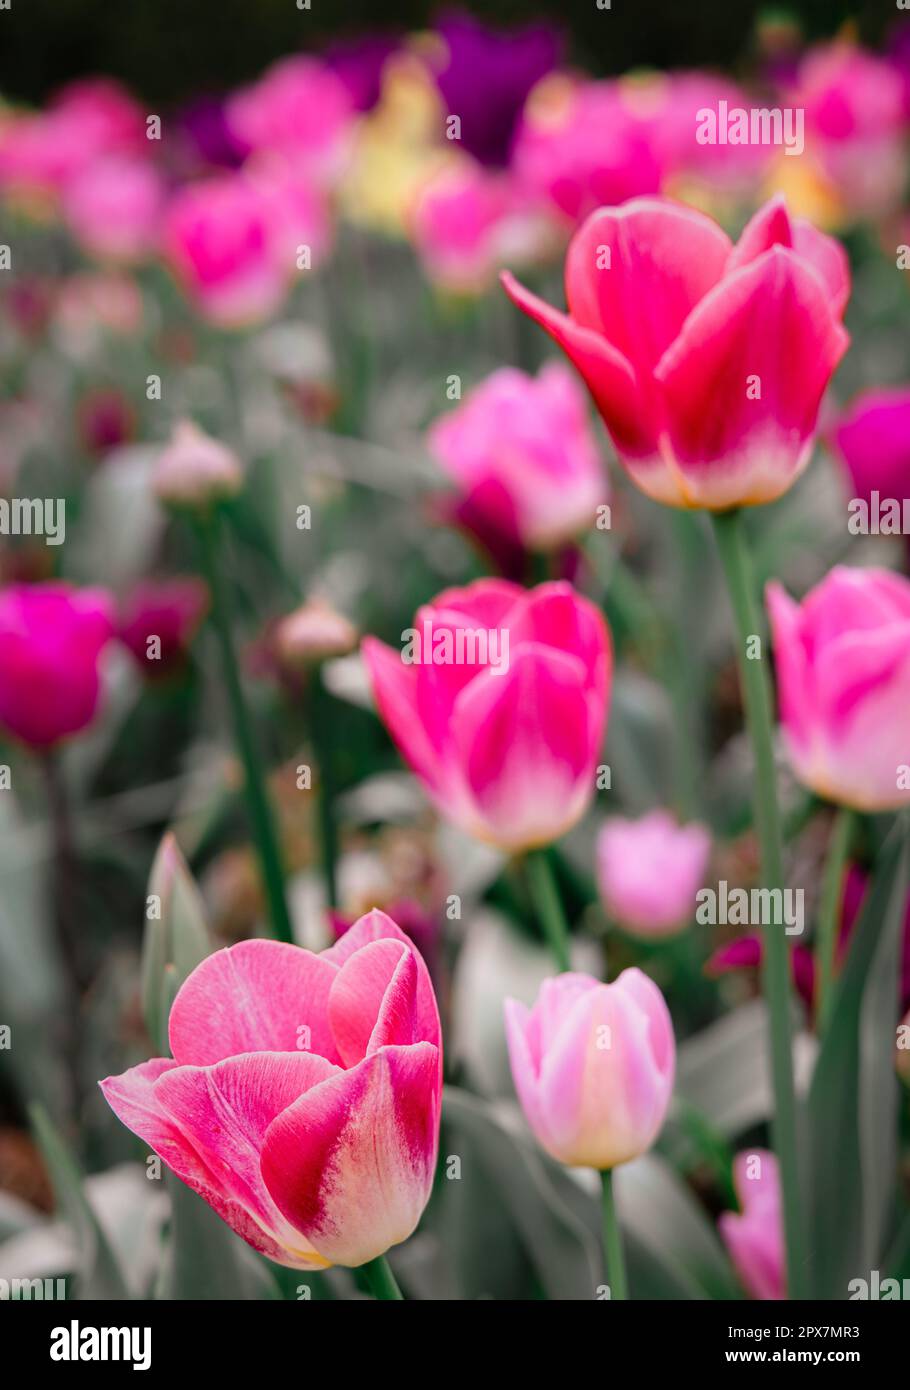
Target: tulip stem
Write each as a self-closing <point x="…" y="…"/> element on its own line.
<point x="380" y="1279"/>
<point x="612" y="1236"/>
<point x="549" y="907"/>
<point x="829" y="913"/>
<point x="260" y="812"/>
<point x="756" y="687"/>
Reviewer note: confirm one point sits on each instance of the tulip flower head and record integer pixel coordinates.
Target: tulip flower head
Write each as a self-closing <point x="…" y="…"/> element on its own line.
<point x="498" y="701"/>
<point x="650" y="870"/>
<point x="195" y="471"/>
<point x="754" y="1236"/>
<point x="158" y="621"/>
<point x="593" y="1065"/>
<point x="843" y="673"/>
<point x="521" y="450"/>
<point x="873" y="439"/>
<point x="302" y="1100"/>
<point x="707" y="361"/>
<point x="52" y="637"/>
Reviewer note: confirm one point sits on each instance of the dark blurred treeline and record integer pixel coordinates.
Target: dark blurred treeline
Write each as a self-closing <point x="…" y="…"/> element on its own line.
<point x="168" y="50"/>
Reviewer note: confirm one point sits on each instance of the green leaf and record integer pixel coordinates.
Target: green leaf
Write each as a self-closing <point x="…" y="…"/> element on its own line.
<point x="99" y="1275"/>
<point x="853" y="1102"/>
<point x="204" y="1259"/>
<point x="564" y="1250"/>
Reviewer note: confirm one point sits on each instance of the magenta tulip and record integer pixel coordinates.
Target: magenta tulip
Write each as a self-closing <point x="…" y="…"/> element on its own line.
<point x="593" y="1065"/>
<point x="522" y="452"/>
<point x="303" y="1098"/>
<point x="498" y="701"/>
<point x="649" y="871"/>
<point x="52" y="637"/>
<point x="299" y="108"/>
<point x="707" y="361"/>
<point x="755" y="1236"/>
<point x="158" y="620"/>
<point x="843" y="674"/>
<point x="873" y="438"/>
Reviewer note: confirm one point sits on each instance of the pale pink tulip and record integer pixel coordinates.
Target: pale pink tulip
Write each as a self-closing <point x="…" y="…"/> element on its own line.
<point x="498" y="701"/>
<point x="524" y="445"/>
<point x="649" y="871"/>
<point x="114" y="207"/>
<point x="707" y="361"/>
<point x="843" y="675"/>
<point x="593" y="1065"/>
<point x="755" y="1236"/>
<point x="303" y="1097"/>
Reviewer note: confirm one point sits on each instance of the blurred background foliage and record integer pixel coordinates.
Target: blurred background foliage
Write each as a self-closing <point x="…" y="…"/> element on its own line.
<point x="168" y="50"/>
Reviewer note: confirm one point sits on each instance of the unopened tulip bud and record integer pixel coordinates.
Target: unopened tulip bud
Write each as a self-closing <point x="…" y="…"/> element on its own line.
<point x="314" y="632"/>
<point x="649" y="871"/>
<point x="196" y="471"/>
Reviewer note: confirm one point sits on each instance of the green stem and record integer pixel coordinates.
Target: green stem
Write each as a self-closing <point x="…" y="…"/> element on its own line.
<point x="549" y="907"/>
<point x="612" y="1238"/>
<point x="829" y="914"/>
<point x="733" y="548"/>
<point x="320" y="703"/>
<point x="380" y="1279"/>
<point x="260" y="812"/>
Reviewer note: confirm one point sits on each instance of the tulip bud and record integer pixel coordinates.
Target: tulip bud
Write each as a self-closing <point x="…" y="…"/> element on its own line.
<point x="649" y="872"/>
<point x="755" y="1237"/>
<point x="593" y="1065"/>
<point x="314" y="632"/>
<point x="196" y="471"/>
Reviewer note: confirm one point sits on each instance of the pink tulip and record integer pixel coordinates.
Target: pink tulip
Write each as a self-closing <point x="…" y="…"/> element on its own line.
<point x="525" y="445"/>
<point x="232" y="242"/>
<point x="467" y="223"/>
<point x="707" y="361"/>
<point x="299" y="108"/>
<point x="873" y="438"/>
<point x="51" y="640"/>
<point x="158" y="621"/>
<point x="755" y="1237"/>
<point x="856" y="124"/>
<point x="583" y="144"/>
<point x="650" y="870"/>
<point x="498" y="701"/>
<point x="42" y="151"/>
<point x="113" y="208"/>
<point x="303" y="1098"/>
<point x="843" y="673"/>
<point x="593" y="1065"/>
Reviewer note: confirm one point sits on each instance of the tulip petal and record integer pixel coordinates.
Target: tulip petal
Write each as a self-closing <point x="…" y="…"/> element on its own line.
<point x="134" y="1099"/>
<point x="553" y="614"/>
<point x="373" y="996"/>
<point x="374" y="927"/>
<point x="351" y="1163"/>
<point x="257" y="996"/>
<point x="769" y="323"/>
<point x="528" y="741"/>
<point x="225" y="1111"/>
<point x="394" y="684"/>
<point x="608" y="375"/>
<point x="658" y="258"/>
<point x="773" y="226"/>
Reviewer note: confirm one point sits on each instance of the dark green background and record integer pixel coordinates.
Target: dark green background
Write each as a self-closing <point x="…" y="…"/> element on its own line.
<point x="171" y="49"/>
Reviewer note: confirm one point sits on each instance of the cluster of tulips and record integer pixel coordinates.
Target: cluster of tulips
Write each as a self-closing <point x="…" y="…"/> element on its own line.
<point x="300" y="1092"/>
